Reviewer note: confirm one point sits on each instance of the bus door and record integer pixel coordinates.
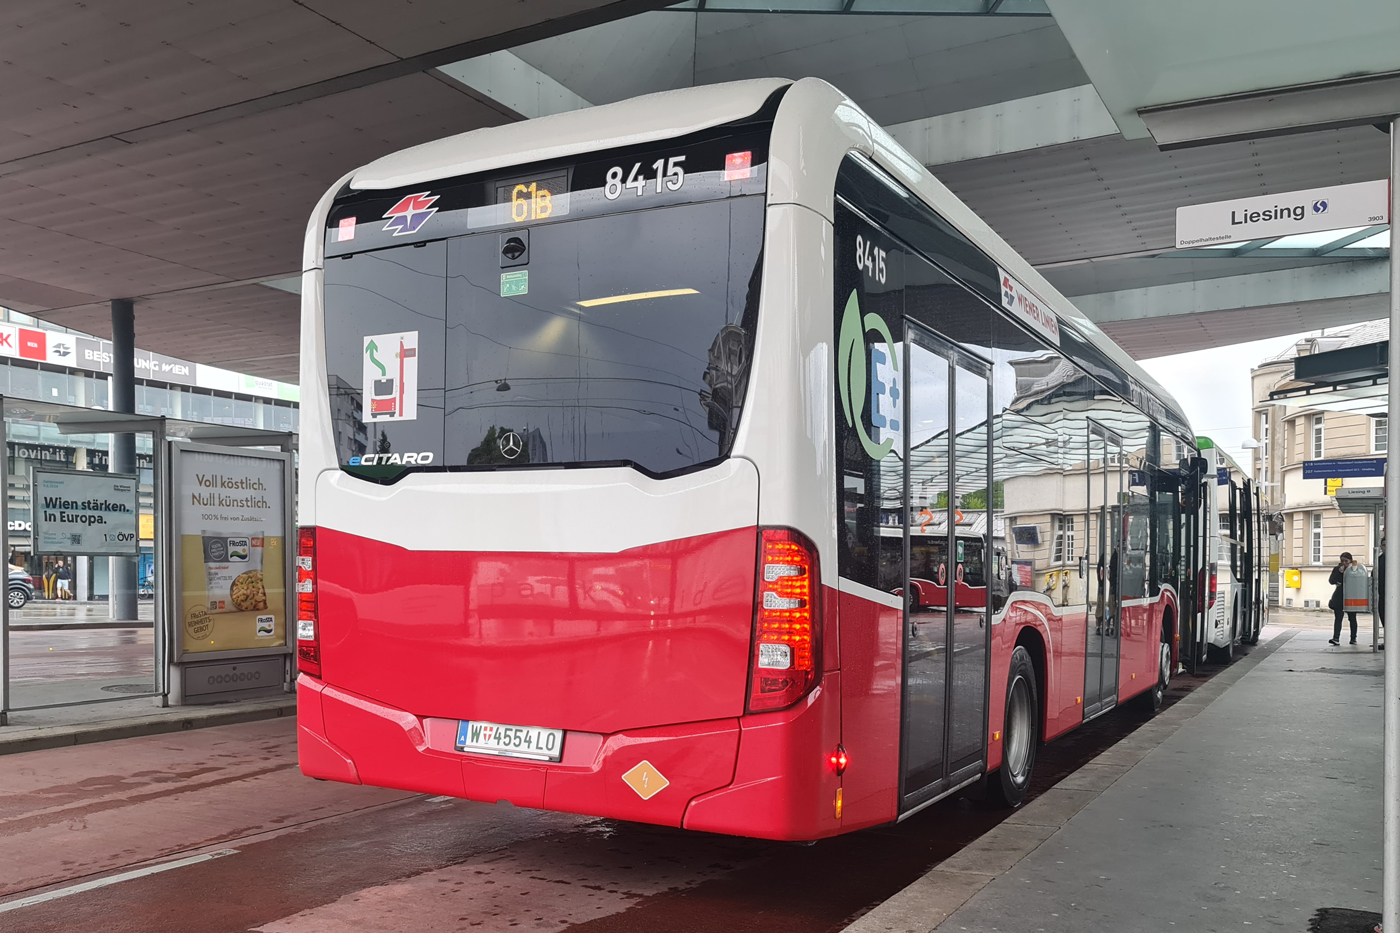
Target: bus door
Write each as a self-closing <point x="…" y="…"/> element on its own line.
<point x="947" y="635"/>
<point x="1105" y="558"/>
<point x="1196" y="560"/>
<point x="1249" y="612"/>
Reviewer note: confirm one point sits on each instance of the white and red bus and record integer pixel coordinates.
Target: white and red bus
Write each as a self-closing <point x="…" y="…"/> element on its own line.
<point x="625" y="433"/>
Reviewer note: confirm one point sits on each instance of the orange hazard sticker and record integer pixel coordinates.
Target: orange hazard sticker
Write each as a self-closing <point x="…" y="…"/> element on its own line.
<point x="646" y="780"/>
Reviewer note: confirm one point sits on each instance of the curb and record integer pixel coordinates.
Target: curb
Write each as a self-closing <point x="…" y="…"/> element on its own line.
<point x="16" y="739"/>
<point x="926" y="903"/>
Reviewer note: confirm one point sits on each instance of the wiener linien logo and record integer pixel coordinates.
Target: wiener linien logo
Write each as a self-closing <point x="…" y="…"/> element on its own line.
<point x="852" y="371"/>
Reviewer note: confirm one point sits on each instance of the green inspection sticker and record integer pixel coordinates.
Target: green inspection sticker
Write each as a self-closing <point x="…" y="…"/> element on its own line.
<point x="515" y="283"/>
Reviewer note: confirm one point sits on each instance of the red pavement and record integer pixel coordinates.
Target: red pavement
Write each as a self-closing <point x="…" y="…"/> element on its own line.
<point x="319" y="857"/>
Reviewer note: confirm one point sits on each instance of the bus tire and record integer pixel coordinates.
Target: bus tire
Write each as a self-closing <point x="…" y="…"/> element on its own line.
<point x="1226" y="654"/>
<point x="1020" y="731"/>
<point x="1152" y="700"/>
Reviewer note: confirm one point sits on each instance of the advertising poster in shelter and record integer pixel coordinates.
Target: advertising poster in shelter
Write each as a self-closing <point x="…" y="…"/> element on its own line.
<point x="230" y="518"/>
<point x="84" y="513"/>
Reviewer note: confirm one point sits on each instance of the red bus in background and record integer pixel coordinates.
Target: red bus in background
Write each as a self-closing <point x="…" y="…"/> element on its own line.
<point x="743" y="479"/>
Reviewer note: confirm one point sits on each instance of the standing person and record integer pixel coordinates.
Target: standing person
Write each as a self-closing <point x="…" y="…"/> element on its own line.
<point x="1338" y="602"/>
<point x="48" y="581"/>
<point x="64" y="576"/>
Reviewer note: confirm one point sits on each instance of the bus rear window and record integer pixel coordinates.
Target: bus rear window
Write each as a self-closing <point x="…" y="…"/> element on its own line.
<point x="621" y="338"/>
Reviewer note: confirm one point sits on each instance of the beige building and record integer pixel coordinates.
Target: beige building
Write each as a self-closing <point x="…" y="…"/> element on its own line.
<point x="1315" y="531"/>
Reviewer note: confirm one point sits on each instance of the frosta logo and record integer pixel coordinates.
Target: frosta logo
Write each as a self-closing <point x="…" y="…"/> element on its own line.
<point x="410" y="214"/>
<point x="852" y="371"/>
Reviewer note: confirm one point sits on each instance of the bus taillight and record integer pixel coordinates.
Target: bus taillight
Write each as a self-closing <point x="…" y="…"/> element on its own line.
<point x="787" y="621"/>
<point x="1214" y="574"/>
<point x="308" y="636"/>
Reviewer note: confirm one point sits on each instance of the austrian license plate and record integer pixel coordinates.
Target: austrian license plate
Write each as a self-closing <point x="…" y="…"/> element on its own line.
<point x="494" y="738"/>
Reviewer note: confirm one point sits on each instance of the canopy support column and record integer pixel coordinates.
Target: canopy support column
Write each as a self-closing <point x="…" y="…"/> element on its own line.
<point x="121" y="587"/>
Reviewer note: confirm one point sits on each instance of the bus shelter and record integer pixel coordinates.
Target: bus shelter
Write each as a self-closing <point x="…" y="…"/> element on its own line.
<point x="214" y="505"/>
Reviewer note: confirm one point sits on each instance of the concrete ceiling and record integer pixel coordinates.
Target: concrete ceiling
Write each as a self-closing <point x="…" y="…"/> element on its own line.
<point x="897" y="68"/>
<point x="1181" y="333"/>
<point x="1116" y="197"/>
<point x="1141" y="54"/>
<point x="171" y="151"/>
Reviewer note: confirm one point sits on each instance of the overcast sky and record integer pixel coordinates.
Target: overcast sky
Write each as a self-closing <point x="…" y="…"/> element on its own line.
<point x="1213" y="386"/>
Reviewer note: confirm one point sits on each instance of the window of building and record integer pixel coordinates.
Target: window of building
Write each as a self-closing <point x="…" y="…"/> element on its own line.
<point x="1317" y="437"/>
<point x="1263" y="446"/>
<point x="1317" y="537"/>
<point x="1378" y="435"/>
<point x="1063" y="551"/>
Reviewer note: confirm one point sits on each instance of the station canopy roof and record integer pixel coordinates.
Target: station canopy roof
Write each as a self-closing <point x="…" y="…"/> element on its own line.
<point x="170" y="151"/>
<point x="1353" y="379"/>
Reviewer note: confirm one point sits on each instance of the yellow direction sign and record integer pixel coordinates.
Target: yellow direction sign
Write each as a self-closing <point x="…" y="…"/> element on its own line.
<point x="1333" y="485"/>
<point x="646" y="780"/>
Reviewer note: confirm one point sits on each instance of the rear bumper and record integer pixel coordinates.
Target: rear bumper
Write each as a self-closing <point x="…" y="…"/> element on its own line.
<point x="760" y="776"/>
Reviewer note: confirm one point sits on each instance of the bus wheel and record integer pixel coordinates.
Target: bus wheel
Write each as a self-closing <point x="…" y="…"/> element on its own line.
<point x="1020" y="732"/>
<point x="1152" y="699"/>
<point x="1226" y="654"/>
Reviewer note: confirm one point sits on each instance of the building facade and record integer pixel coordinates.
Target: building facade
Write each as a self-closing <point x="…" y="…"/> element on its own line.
<point x="1316" y="532"/>
<point x="46" y="363"/>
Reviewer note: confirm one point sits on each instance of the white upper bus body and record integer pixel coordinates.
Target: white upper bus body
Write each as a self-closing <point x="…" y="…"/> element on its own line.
<point x="1222" y="624"/>
<point x="780" y="470"/>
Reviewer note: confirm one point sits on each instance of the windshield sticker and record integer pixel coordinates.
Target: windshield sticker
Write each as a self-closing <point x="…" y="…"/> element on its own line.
<point x="390" y="377"/>
<point x="515" y="284"/>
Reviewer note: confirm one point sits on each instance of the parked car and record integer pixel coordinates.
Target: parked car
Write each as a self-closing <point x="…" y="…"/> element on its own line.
<point x="21" y="589"/>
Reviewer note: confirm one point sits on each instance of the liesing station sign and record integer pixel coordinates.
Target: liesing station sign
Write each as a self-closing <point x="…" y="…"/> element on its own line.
<point x="85" y="513"/>
<point x="1337" y="207"/>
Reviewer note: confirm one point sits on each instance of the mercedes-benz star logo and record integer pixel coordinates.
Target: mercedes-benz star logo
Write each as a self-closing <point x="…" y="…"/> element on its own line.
<point x="511" y="445"/>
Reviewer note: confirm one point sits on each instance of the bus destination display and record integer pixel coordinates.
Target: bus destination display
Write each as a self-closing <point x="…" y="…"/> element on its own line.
<point x="533" y="199"/>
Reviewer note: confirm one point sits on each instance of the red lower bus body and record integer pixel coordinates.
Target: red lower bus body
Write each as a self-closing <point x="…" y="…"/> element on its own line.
<point x="641" y="656"/>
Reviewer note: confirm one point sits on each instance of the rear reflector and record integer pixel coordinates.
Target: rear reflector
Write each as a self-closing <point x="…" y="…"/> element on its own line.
<point x="738" y="166"/>
<point x="787" y="621"/>
<point x="308" y="628"/>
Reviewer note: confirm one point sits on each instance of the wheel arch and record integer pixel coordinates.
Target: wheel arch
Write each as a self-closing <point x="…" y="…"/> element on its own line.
<point x="1169" y="631"/>
<point x="1030" y="638"/>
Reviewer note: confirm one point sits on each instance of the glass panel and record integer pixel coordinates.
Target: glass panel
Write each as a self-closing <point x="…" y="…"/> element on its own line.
<point x="97" y="391"/>
<point x="1312" y="240"/>
<point x="971" y="518"/>
<point x="1096" y="553"/>
<point x="24" y="382"/>
<point x="57" y="387"/>
<point x="199" y="407"/>
<point x="387" y="293"/>
<point x="926" y="642"/>
<point x="913" y="7"/>
<point x="244" y="413"/>
<point x="1115" y="531"/>
<point x="781" y="6"/>
<point x="631" y="344"/>
<point x="871" y="543"/>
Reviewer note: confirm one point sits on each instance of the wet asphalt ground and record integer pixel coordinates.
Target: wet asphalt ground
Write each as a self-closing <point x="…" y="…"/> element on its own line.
<point x="261" y="847"/>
